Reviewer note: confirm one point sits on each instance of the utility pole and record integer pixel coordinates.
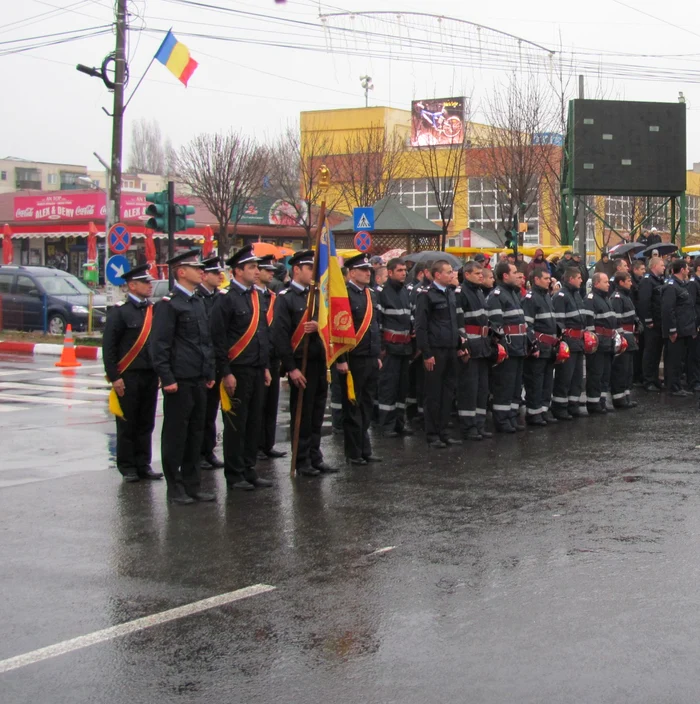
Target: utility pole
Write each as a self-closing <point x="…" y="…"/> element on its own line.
<point x="115" y="185"/>
<point x="171" y="228"/>
<point x="581" y="199"/>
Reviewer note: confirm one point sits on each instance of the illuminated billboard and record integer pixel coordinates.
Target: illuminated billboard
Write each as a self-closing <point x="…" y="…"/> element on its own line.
<point x="439" y="121"/>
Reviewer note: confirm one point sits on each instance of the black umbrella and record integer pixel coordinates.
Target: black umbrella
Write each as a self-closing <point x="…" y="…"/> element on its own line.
<point x="420" y="258"/>
<point x="626" y="248"/>
<point x="663" y="248"/>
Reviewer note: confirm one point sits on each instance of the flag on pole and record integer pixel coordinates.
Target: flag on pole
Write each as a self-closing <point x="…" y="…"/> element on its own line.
<point x="335" y="324"/>
<point x="175" y="56"/>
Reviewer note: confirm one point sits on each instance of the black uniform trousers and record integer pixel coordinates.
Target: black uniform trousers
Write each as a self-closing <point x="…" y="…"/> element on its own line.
<point x="638" y="355"/>
<point x="271" y="398"/>
<point x="135" y="431"/>
<point x="242" y="425"/>
<point x="653" y="349"/>
<point x="568" y="383"/>
<point x="358" y="416"/>
<point x="472" y="392"/>
<point x="538" y="379"/>
<point x="416" y="375"/>
<point x="677" y="359"/>
<point x="209" y="434"/>
<point x="693" y="370"/>
<point x="440" y="387"/>
<point x="336" y="399"/>
<point x="392" y="392"/>
<point x="507" y="380"/>
<point x="312" y="413"/>
<point x="598" y="367"/>
<point x="181" y="438"/>
<point x="621" y="378"/>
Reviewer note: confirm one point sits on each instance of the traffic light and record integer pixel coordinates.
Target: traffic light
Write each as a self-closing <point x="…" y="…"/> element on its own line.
<point x="182" y="222"/>
<point x="511" y="239"/>
<point x="158" y="213"/>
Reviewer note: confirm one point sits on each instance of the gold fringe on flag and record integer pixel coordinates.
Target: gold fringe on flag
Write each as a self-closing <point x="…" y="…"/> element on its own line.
<point x="351" y="388"/>
<point x="226" y="406"/>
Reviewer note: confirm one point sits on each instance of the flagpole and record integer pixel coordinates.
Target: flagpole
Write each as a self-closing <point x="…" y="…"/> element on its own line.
<point x="324" y="183"/>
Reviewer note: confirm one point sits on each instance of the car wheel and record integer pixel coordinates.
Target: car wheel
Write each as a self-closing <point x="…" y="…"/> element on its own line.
<point x="57" y="324"/>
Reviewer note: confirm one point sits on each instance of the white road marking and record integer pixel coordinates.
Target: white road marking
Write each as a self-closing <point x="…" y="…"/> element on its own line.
<point x="12" y="407"/>
<point x="49" y="400"/>
<point x="140" y="624"/>
<point x="82" y="367"/>
<point x="381" y="551"/>
<point x="78" y="380"/>
<point x="39" y="387"/>
<point x="16" y="371"/>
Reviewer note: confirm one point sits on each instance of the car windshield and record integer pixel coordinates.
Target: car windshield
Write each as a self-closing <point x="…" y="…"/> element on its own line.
<point x="63" y="286"/>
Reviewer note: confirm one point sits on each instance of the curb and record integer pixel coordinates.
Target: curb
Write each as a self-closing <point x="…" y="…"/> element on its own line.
<point x="33" y="348"/>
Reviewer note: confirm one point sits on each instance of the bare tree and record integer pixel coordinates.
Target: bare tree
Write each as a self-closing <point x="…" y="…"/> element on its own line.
<point x="169" y="158"/>
<point x="147" y="154"/>
<point x="373" y="162"/>
<point x="224" y="170"/>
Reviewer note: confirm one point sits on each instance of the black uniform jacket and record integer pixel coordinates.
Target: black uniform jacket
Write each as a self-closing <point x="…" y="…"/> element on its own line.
<point x="181" y="345"/>
<point x="230" y="319"/>
<point x="601" y="317"/>
<point x="649" y="309"/>
<point x="370" y="345"/>
<point x="471" y="312"/>
<point x="623" y="305"/>
<point x="677" y="310"/>
<point x="540" y="317"/>
<point x="397" y="317"/>
<point x="694" y="291"/>
<point x="289" y="309"/>
<point x="505" y="309"/>
<point x="122" y="329"/>
<point x="436" y="321"/>
<point x="209" y="297"/>
<point x="571" y="314"/>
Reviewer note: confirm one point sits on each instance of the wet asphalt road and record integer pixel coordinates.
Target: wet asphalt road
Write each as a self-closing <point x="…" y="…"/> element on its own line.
<point x="558" y="565"/>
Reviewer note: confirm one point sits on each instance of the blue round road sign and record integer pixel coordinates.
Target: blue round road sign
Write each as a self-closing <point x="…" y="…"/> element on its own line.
<point x="116" y="267"/>
<point x="362" y="242"/>
<point x="119" y="238"/>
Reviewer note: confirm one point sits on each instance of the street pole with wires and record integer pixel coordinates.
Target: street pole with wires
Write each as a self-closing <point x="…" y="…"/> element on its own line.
<point x="115" y="185"/>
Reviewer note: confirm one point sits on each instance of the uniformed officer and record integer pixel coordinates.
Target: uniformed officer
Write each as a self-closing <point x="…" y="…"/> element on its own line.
<point x="694" y="361"/>
<point x="362" y="362"/>
<point x="397" y="350"/>
<point x="572" y="318"/>
<point x="507" y="321"/>
<point x="538" y="369"/>
<point x="679" y="326"/>
<point x="291" y="325"/>
<point x="209" y="291"/>
<point x="127" y="361"/>
<point x="183" y="359"/>
<point x="416" y="371"/>
<point x="638" y="270"/>
<point x="242" y="349"/>
<point x="628" y="325"/>
<point x="266" y="272"/>
<point x="650" y="289"/>
<point x="473" y="375"/>
<point x="440" y="345"/>
<point x="602" y="320"/>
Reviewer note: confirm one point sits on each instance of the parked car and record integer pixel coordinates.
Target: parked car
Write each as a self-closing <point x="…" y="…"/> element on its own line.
<point x="25" y="290"/>
<point x="161" y="288"/>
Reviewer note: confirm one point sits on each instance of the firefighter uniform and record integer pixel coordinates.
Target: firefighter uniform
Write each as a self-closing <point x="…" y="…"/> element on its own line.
<point x="271" y="393"/>
<point x="602" y="320"/>
<point x="242" y="348"/>
<point x="623" y="364"/>
<point x="363" y="363"/>
<point x="182" y="354"/>
<point x="209" y="460"/>
<point x="416" y="371"/>
<point x="507" y="320"/>
<point x="473" y="376"/>
<point x="568" y="376"/>
<point x="649" y="312"/>
<point x="397" y="345"/>
<point x="639" y="354"/>
<point x="288" y="339"/>
<point x="678" y="317"/>
<point x="127" y="355"/>
<point x="538" y="372"/>
<point x="437" y="336"/>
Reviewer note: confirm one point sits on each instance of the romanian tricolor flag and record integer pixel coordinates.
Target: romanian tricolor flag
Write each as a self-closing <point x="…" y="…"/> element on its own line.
<point x="175" y="56"/>
<point x="335" y="324"/>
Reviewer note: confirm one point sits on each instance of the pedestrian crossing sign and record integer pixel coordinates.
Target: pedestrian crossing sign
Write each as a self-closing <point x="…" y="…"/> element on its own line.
<point x="363" y="219"/>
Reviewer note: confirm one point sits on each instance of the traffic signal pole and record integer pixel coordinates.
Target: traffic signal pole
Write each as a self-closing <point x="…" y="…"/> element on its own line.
<point x="171" y="227"/>
<point x="115" y="185"/>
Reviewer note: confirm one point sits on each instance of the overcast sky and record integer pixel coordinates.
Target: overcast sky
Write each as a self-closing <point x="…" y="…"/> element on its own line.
<point x="50" y="112"/>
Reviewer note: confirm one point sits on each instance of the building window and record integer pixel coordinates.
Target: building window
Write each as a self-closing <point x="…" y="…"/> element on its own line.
<point x="3" y="175"/>
<point x="144" y="187"/>
<point x="418" y="195"/>
<point x="27" y="178"/>
<point x="625" y="212"/>
<point x="96" y="183"/>
<point x="52" y="179"/>
<point x="69" y="180"/>
<point x="489" y="209"/>
<point x="127" y="184"/>
<point x="692" y="214"/>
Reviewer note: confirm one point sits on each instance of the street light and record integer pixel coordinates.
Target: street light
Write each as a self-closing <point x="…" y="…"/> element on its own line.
<point x="366" y="82"/>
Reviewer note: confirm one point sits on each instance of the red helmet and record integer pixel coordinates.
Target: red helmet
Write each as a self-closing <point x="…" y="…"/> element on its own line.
<point x="500" y="356"/>
<point x="620" y="344"/>
<point x="563" y="353"/>
<point x="590" y="342"/>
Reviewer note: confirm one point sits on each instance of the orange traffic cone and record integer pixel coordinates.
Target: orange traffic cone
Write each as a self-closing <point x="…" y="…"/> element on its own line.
<point x="68" y="358"/>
